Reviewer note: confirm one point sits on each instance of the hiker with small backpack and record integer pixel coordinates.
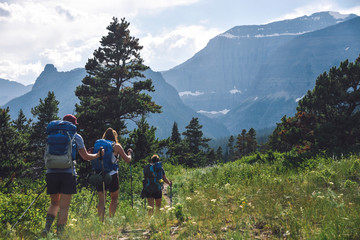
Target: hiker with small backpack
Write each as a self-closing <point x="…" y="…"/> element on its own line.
<point x="61" y="145"/>
<point x="107" y="168"/>
<point x="154" y="177"/>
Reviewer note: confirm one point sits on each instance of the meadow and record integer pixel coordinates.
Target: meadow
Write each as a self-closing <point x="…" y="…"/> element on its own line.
<point x="257" y="197"/>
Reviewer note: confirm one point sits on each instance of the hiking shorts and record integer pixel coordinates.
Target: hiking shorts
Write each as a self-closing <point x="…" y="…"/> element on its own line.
<point x="64" y="183"/>
<point x="154" y="194"/>
<point x="113" y="186"/>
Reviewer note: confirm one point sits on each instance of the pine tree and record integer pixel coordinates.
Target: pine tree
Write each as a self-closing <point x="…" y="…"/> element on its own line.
<point x="143" y="141"/>
<point x="251" y="143"/>
<point x="230" y="153"/>
<point x="194" y="136"/>
<point x="113" y="91"/>
<point x="12" y="154"/>
<point x="175" y="135"/>
<point x="194" y="145"/>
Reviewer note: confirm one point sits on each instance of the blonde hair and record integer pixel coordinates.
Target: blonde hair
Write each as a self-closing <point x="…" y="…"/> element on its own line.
<point x="155" y="158"/>
<point x="111" y="134"/>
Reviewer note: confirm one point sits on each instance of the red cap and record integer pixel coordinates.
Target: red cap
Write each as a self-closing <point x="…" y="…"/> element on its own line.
<point x="70" y="118"/>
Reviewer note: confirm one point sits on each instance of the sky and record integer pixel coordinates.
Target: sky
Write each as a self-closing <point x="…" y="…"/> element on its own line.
<point x="65" y="33"/>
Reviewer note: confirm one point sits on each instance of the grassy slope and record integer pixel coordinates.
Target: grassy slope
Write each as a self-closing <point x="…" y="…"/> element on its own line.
<point x="239" y="201"/>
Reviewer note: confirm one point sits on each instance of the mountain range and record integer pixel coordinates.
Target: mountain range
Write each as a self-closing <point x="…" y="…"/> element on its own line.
<point x="251" y="76"/>
<point x="63" y="84"/>
<point x="248" y="76"/>
<point x="11" y="89"/>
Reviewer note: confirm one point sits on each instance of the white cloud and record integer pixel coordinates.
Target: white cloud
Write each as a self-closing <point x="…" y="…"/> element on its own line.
<point x="172" y="47"/>
<point x="10" y="70"/>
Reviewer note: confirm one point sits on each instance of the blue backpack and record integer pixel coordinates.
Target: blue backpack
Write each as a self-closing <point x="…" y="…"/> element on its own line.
<point x="153" y="174"/>
<point x="60" y="148"/>
<point x="107" y="158"/>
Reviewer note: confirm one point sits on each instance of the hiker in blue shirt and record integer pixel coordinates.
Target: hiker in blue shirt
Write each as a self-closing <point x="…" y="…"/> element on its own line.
<point x="113" y="187"/>
<point x="61" y="184"/>
<point x="154" y="176"/>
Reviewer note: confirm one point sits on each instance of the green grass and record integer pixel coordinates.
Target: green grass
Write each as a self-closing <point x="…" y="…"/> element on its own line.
<point x="319" y="200"/>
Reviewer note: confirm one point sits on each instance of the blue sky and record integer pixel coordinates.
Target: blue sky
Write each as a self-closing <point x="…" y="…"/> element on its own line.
<point x="66" y="32"/>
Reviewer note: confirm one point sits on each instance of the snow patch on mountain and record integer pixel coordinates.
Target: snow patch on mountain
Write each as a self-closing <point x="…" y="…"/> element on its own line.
<point x="190" y="93"/>
<point x="235" y="91"/>
<point x="338" y="15"/>
<point x="223" y="112"/>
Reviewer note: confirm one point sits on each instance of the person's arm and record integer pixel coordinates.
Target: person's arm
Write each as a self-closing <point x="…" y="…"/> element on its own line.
<point x="167" y="180"/>
<point x="118" y="150"/>
<point x="89" y="156"/>
<point x="82" y="150"/>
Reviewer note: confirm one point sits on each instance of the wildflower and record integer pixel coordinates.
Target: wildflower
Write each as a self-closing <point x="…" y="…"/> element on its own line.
<point x="227" y="186"/>
<point x="241" y="206"/>
<point x="74" y="220"/>
<point x="331" y="183"/>
<point x="149" y="207"/>
<point x="70" y="224"/>
<point x="167" y="207"/>
<point x="162" y="209"/>
<point x="287" y="233"/>
<point x="188" y="198"/>
<point x="213" y="200"/>
<point x="320" y="196"/>
<point x="193" y="223"/>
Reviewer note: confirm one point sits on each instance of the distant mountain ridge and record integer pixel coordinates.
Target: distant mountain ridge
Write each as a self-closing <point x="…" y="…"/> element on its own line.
<point x="64" y="84"/>
<point x="11" y="89"/>
<point x="273" y="64"/>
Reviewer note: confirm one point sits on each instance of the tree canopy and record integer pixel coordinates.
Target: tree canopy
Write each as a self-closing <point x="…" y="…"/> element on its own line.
<point x="113" y="91"/>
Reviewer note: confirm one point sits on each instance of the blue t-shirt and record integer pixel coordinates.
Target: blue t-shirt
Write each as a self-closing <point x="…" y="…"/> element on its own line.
<point x="79" y="141"/>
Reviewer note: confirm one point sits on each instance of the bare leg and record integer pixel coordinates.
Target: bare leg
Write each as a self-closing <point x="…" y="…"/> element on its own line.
<point x="114" y="202"/>
<point x="151" y="204"/>
<point x="54" y="204"/>
<point x="158" y="204"/>
<point x="64" y="208"/>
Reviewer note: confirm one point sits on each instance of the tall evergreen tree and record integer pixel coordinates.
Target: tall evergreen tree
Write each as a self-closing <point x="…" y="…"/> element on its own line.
<point x="194" y="136"/>
<point x="12" y="154"/>
<point x="328" y="116"/>
<point x="230" y="153"/>
<point x="251" y="143"/>
<point x="113" y="91"/>
<point x="175" y="135"/>
<point x="143" y="141"/>
<point x="194" y="145"/>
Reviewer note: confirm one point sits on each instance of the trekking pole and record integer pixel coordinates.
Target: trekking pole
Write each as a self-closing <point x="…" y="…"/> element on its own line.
<point x="171" y="195"/>
<point x="103" y="182"/>
<point x="90" y="202"/>
<point x="29" y="207"/>
<point x="132" y="201"/>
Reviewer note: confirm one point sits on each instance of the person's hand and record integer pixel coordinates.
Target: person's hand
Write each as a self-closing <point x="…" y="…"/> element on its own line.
<point x="129" y="151"/>
<point x="102" y="152"/>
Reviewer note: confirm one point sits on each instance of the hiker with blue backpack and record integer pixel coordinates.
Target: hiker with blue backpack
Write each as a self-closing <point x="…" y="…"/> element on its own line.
<point x="154" y="177"/>
<point x="61" y="145"/>
<point x="107" y="167"/>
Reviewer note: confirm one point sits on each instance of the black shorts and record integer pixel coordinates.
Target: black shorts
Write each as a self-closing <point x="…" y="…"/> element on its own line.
<point x="112" y="187"/>
<point x="60" y="183"/>
<point x="154" y="194"/>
